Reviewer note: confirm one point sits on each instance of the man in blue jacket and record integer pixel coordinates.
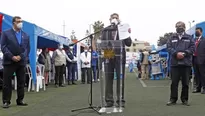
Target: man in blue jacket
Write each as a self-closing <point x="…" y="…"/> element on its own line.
<point x="71" y="66"/>
<point x="15" y="48"/>
<point x="181" y="48"/>
<point x="94" y="64"/>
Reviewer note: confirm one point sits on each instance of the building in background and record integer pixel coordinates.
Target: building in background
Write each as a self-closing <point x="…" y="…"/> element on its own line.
<point x="137" y="45"/>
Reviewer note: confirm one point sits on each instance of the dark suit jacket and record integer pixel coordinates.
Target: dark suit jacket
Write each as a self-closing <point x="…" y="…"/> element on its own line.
<point x="107" y="35"/>
<point x="10" y="47"/>
<point x="201" y="51"/>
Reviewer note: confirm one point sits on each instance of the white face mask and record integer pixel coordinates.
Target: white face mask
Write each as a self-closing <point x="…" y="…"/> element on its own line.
<point x="19" y="25"/>
<point x="114" y="21"/>
<point x="86" y="50"/>
<point x="61" y="47"/>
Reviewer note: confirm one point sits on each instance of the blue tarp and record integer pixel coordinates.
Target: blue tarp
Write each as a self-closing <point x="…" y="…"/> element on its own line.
<point x="162" y="48"/>
<point x="191" y="31"/>
<point x="39" y="38"/>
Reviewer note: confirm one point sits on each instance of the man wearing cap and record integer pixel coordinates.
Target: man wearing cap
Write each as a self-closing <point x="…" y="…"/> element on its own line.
<point x="181" y="48"/>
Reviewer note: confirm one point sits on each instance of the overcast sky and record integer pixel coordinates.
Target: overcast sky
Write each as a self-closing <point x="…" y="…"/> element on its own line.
<point x="148" y="18"/>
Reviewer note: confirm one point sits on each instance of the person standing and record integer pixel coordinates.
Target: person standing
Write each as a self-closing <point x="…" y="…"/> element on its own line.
<point x="181" y="48"/>
<point x="112" y="64"/>
<point x="59" y="60"/>
<point x="15" y="46"/>
<point x="71" y="67"/>
<point x="145" y="64"/>
<point x="199" y="64"/>
<point x="85" y="58"/>
<point x="45" y="59"/>
<point x="94" y="64"/>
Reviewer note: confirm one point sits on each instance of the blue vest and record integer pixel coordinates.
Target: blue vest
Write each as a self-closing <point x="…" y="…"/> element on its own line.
<point x="70" y="55"/>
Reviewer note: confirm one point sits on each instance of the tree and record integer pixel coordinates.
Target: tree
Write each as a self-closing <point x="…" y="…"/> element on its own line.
<point x="163" y="39"/>
<point x="97" y="26"/>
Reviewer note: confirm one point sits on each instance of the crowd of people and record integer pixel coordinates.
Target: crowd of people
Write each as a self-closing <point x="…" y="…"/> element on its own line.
<point x="15" y="46"/>
<point x="182" y="48"/>
<point x="63" y="59"/>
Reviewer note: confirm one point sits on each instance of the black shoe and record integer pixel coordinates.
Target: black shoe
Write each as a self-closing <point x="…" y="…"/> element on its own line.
<point x="203" y="92"/>
<point x="109" y="105"/>
<point x="122" y="103"/>
<point x="196" y="91"/>
<point x="6" y="105"/>
<point x="185" y="103"/>
<point x="46" y="85"/>
<point x="74" y="83"/>
<point x="22" y="104"/>
<point x="171" y="103"/>
<point x="61" y="86"/>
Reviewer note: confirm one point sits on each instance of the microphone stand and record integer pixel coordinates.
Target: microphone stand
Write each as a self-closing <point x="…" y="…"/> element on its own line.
<point x="91" y="84"/>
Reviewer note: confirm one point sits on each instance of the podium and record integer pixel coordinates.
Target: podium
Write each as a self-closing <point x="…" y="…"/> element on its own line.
<point x="111" y="59"/>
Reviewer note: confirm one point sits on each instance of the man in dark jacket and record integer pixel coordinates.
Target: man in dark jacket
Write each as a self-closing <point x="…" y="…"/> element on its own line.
<point x="71" y="66"/>
<point x="180" y="47"/>
<point x="199" y="62"/>
<point x="15" y="48"/>
<point x="110" y="34"/>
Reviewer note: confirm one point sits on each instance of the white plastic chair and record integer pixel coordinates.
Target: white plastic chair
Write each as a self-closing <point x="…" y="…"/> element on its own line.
<point x="40" y="79"/>
<point x="28" y="68"/>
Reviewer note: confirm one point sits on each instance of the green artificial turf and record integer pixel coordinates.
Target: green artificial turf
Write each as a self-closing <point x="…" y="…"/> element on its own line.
<point x="140" y="101"/>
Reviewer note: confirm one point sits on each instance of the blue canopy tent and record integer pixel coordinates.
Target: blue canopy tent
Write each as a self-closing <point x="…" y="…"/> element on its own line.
<point x="39" y="38"/>
<point x="162" y="50"/>
<point x="191" y="31"/>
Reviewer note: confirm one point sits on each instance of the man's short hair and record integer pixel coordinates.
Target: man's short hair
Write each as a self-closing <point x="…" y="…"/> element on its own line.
<point x="199" y="28"/>
<point x="180" y="24"/>
<point x="14" y="18"/>
<point x="114" y="14"/>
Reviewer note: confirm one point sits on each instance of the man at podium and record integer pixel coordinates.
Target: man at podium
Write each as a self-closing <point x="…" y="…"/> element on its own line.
<point x="111" y="34"/>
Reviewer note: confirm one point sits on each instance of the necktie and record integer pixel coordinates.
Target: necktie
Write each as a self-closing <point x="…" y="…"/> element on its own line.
<point x="113" y="35"/>
<point x="86" y="54"/>
<point x="196" y="44"/>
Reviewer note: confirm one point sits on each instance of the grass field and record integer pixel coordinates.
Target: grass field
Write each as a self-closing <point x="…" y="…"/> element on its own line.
<point x="140" y="101"/>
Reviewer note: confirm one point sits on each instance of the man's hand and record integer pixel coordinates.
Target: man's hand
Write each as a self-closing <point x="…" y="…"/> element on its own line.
<point x="180" y="55"/>
<point x="19" y="57"/>
<point x="85" y="63"/>
<point x="15" y="59"/>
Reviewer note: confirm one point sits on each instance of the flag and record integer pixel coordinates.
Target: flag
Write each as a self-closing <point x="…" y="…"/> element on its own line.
<point x="1" y="20"/>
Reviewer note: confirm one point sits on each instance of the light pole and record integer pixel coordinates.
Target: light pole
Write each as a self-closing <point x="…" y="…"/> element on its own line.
<point x="89" y="32"/>
<point x="190" y="22"/>
<point x="90" y="28"/>
<point x="64" y="28"/>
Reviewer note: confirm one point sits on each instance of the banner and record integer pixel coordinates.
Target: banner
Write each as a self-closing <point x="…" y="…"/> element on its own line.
<point x="1" y="19"/>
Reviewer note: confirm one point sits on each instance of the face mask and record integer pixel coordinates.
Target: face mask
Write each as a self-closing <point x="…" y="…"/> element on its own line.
<point x="61" y="47"/>
<point x="180" y="30"/>
<point x="86" y="50"/>
<point x="19" y="25"/>
<point x="114" y="21"/>
<point x="197" y="33"/>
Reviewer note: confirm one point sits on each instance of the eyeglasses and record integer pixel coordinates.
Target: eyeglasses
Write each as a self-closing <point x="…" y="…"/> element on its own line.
<point x="18" y="21"/>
